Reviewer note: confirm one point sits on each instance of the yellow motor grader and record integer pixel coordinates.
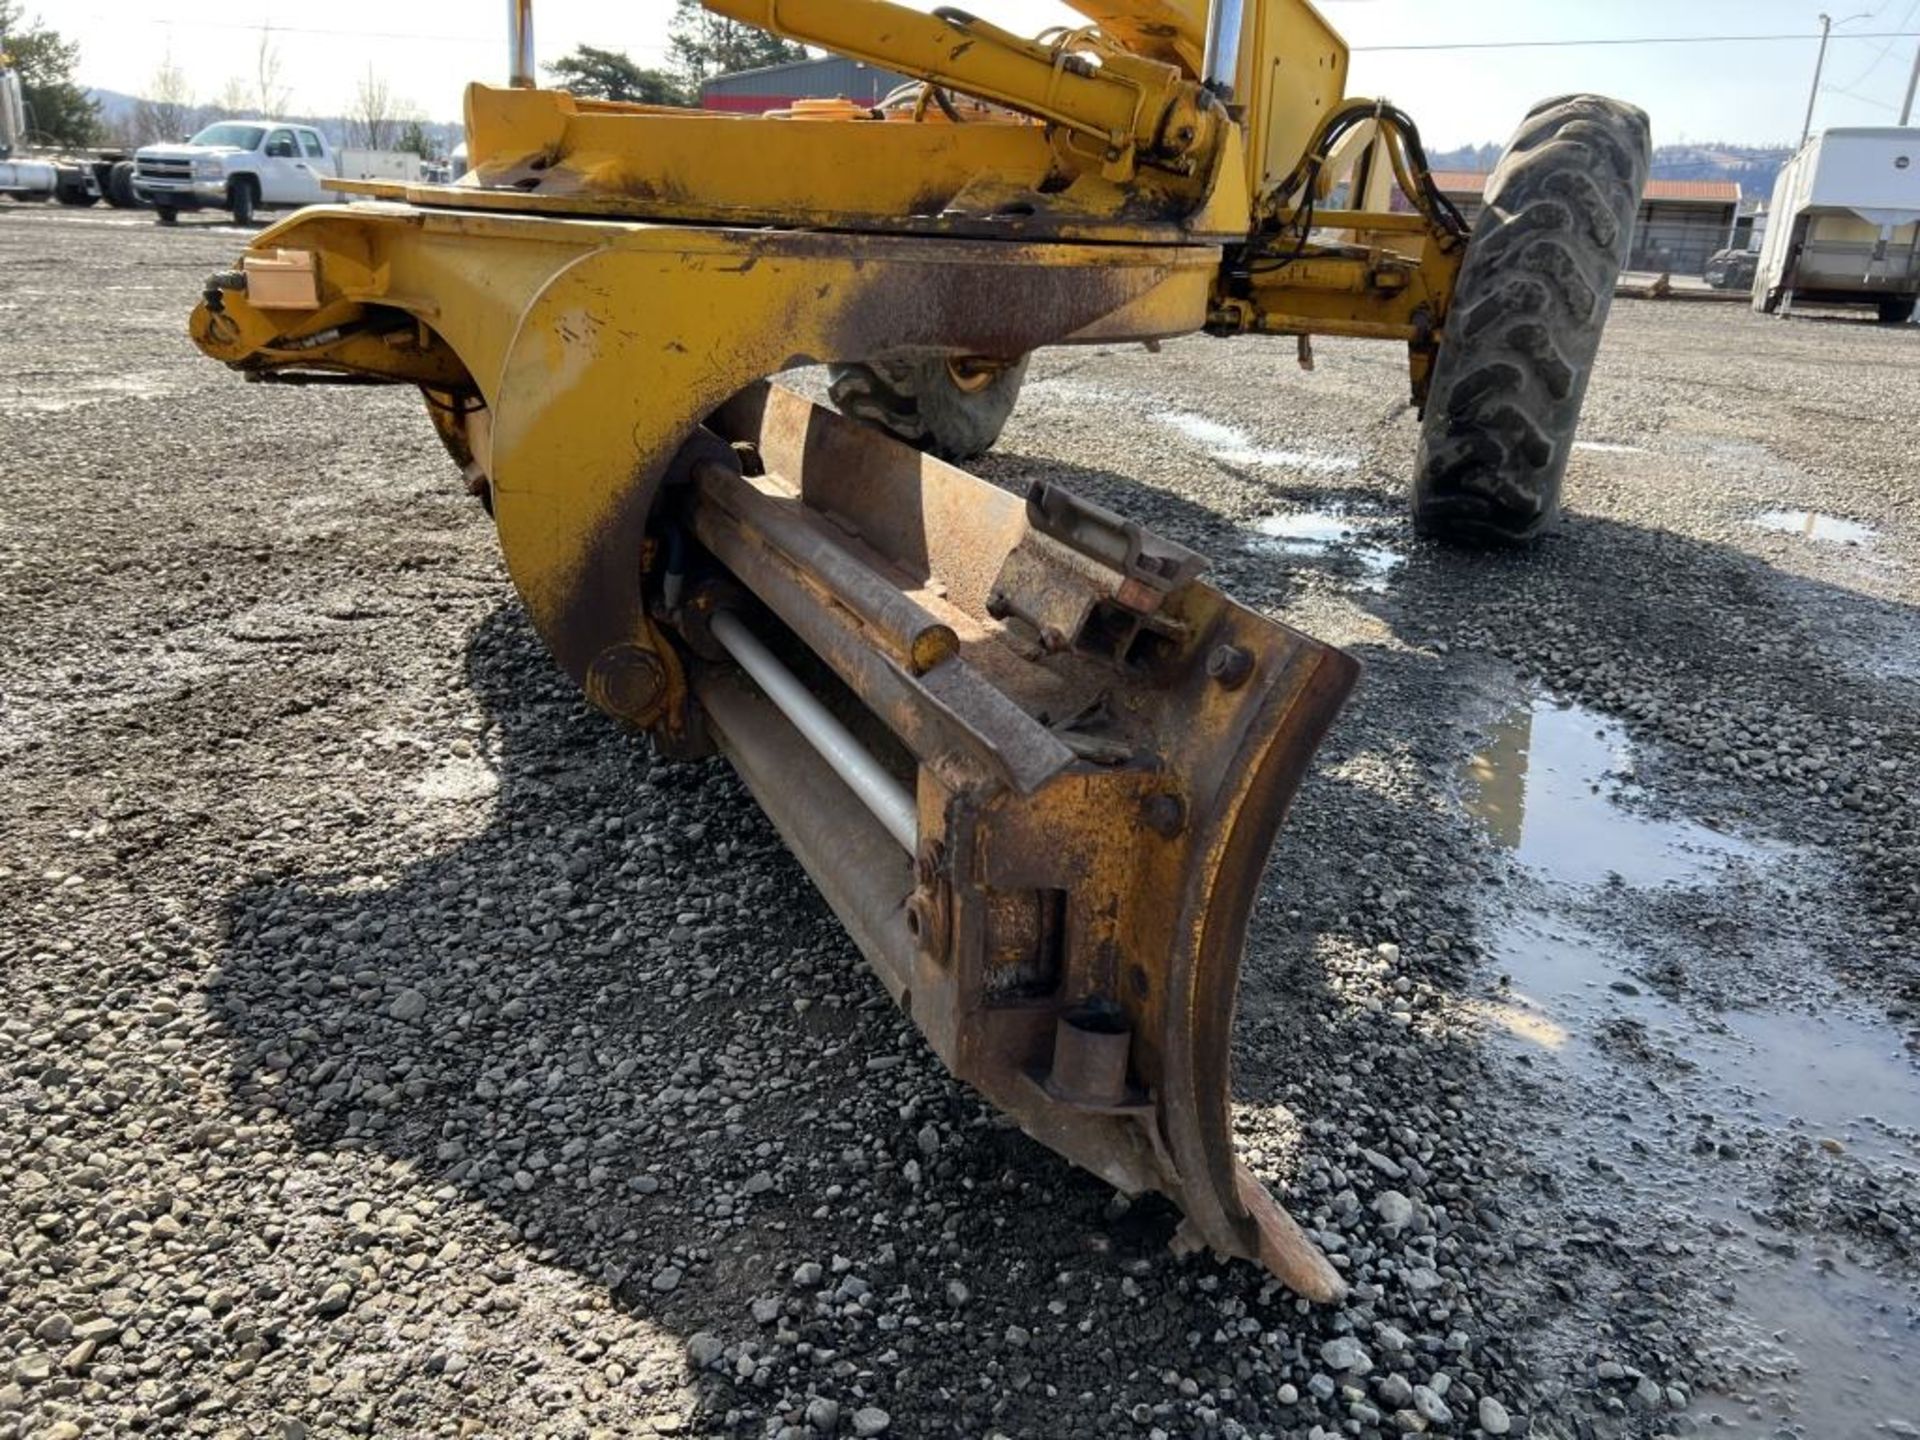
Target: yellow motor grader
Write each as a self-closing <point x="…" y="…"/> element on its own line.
<point x="1032" y="760"/>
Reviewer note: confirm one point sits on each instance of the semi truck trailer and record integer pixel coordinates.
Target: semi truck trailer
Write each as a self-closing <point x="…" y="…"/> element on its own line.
<point x="30" y="172"/>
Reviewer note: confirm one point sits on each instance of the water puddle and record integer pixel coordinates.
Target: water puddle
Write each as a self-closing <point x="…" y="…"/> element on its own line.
<point x="1812" y="525"/>
<point x="1553" y="784"/>
<point x="1836" y="1350"/>
<point x="1310" y="527"/>
<point x="1318" y="534"/>
<point x="1698" y="1115"/>
<point x="1831" y="1073"/>
<point x="1232" y="446"/>
<point x="1896" y="661"/>
<point x="1756" y="1147"/>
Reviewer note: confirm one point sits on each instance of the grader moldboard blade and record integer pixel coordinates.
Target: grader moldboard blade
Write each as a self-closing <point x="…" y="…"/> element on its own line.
<point x="1037" y="775"/>
<point x="1032" y="761"/>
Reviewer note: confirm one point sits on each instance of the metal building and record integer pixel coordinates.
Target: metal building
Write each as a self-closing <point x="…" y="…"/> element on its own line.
<point x="775" y="87"/>
<point x="1681" y="223"/>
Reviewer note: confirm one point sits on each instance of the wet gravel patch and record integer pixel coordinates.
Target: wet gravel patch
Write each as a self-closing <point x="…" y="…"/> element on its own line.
<point x="392" y="1046"/>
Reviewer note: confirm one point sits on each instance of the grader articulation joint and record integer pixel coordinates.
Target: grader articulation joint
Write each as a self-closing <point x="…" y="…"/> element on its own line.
<point x="1032" y="760"/>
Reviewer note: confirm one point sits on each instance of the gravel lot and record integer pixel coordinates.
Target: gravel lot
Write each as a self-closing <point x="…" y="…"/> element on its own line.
<point x="391" y="1046"/>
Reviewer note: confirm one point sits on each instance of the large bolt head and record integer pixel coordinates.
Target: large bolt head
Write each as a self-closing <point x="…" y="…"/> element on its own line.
<point x="629" y="682"/>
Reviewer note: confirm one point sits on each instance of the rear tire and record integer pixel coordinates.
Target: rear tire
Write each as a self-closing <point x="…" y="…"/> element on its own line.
<point x="1528" y="310"/>
<point x="1897" y="312"/>
<point x="931" y="400"/>
<point x="167" y="214"/>
<point x="242" y="198"/>
<point x="75" y="194"/>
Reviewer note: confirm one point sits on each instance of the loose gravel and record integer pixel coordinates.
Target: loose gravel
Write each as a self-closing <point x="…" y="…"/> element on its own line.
<point x="391" y="1046"/>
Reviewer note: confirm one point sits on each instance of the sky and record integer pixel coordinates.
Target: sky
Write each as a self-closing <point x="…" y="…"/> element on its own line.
<point x="1738" y="91"/>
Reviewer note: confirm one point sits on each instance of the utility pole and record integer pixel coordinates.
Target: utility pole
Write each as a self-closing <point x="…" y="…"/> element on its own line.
<point x="1813" y="96"/>
<point x="1913" y="84"/>
<point x="1813" y="99"/>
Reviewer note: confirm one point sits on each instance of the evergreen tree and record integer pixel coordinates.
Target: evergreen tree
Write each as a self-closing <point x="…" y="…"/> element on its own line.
<point x="705" y="45"/>
<point x="413" y="139"/>
<point x="613" y="75"/>
<point x="59" y="111"/>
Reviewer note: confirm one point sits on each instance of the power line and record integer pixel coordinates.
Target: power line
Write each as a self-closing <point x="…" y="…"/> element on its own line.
<point x="278" y="29"/>
<point x="1863" y="99"/>
<point x="646" y="49"/>
<point x="351" y="34"/>
<point x="1888" y="35"/>
<point x="1885" y="50"/>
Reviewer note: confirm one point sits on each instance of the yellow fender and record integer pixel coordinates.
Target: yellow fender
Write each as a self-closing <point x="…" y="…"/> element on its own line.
<point x="626" y="348"/>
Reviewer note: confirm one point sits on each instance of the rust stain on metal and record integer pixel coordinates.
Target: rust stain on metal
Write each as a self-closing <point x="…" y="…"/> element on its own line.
<point x="1072" y="943"/>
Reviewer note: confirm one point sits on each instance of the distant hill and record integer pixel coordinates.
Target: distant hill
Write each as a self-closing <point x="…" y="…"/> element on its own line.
<point x="1756" y="167"/>
<point x="116" y="107"/>
<point x="1474" y="159"/>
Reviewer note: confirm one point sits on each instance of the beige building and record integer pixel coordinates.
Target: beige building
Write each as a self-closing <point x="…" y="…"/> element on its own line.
<point x="1681" y="222"/>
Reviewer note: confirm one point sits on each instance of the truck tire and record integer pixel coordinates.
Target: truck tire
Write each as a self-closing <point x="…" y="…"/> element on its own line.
<point x="75" y="193"/>
<point x="931" y="400"/>
<point x="1525" y="323"/>
<point x="243" y="197"/>
<point x="119" y="186"/>
<point x="1897" y="311"/>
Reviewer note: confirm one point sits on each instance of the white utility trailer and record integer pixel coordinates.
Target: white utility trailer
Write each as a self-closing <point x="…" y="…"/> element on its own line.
<point x="401" y="165"/>
<point x="1845" y="226"/>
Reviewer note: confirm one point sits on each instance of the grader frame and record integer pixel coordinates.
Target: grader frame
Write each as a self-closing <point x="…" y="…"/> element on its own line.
<point x="1032" y="760"/>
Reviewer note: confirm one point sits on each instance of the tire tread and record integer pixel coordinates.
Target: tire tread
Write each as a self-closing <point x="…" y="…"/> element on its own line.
<point x="1529" y="307"/>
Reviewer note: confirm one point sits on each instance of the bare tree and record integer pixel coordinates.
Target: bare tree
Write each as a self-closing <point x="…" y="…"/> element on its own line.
<point x="166" y="112"/>
<point x="374" y="121"/>
<point x="269" y="89"/>
<point x="236" y="98"/>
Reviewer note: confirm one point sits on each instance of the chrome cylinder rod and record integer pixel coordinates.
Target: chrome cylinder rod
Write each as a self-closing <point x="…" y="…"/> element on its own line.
<point x="1220" y="70"/>
<point x="520" y="45"/>
<point x="885" y="796"/>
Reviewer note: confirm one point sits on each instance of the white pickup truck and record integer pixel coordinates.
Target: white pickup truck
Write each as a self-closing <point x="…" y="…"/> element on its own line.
<point x="236" y="165"/>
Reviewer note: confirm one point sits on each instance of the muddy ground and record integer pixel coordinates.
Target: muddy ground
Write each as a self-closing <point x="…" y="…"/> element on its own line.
<point x="391" y="1046"/>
